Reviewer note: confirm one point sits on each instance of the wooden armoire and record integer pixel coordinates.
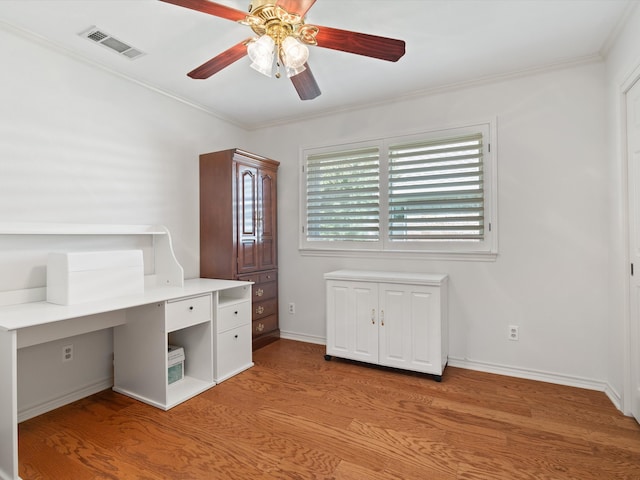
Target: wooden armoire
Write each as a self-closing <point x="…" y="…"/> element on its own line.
<point x="238" y="230"/>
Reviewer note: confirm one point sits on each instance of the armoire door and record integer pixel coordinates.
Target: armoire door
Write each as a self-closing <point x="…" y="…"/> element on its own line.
<point x="267" y="256"/>
<point x="247" y="216"/>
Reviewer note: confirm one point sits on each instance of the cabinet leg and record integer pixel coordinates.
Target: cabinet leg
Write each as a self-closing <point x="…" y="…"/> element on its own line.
<point x="328" y="358"/>
<point x="437" y="378"/>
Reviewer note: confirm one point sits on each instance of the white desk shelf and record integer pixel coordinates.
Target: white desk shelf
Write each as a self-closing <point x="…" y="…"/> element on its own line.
<point x="170" y="310"/>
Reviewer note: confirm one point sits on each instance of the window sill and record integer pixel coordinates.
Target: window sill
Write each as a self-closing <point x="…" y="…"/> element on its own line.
<point x="417" y="255"/>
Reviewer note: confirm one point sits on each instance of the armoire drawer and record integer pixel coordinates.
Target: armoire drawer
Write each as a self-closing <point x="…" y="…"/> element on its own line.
<point x="265" y="325"/>
<point x="260" y="277"/>
<point x="264" y="308"/>
<point x="271" y="276"/>
<point x="263" y="291"/>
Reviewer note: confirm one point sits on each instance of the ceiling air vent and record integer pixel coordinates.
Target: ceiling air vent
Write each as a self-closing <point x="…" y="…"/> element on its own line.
<point x="99" y="36"/>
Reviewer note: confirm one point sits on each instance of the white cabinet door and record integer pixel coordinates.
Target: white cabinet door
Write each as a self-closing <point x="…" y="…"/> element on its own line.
<point x="410" y="327"/>
<point x="395" y="326"/>
<point x="352" y="320"/>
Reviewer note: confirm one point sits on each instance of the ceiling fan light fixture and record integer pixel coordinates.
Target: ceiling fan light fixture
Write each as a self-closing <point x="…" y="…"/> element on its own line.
<point x="295" y="53"/>
<point x="273" y="48"/>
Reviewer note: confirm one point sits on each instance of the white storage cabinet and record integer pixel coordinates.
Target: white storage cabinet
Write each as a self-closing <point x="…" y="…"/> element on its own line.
<point x="393" y="319"/>
<point x="232" y="339"/>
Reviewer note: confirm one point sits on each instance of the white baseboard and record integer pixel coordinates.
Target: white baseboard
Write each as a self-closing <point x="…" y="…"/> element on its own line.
<point x="549" y="377"/>
<point x="43" y="407"/>
<point x="300" y="337"/>
<point x="615" y="398"/>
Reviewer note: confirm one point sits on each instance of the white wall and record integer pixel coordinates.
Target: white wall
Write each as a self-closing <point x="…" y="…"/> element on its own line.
<point x="551" y="274"/>
<point x="623" y="64"/>
<point x="81" y="145"/>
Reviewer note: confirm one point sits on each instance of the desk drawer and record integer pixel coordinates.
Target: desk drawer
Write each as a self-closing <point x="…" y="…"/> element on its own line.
<point x="186" y="312"/>
<point x="232" y="316"/>
<point x="233" y="352"/>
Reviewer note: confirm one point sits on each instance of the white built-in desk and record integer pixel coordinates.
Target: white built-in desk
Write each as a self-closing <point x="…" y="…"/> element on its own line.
<point x="196" y="314"/>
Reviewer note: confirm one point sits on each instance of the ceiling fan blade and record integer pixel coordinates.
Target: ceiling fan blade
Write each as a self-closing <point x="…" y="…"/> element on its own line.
<point x="301" y="7"/>
<point x="361" y="43"/>
<point x="305" y="84"/>
<point x="219" y="62"/>
<point x="211" y="8"/>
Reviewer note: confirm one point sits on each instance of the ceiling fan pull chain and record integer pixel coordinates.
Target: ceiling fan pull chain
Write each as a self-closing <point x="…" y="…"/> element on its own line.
<point x="277" y="60"/>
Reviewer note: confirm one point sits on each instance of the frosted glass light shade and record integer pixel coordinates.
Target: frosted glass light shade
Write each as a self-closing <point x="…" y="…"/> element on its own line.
<point x="261" y="52"/>
<point x="295" y="54"/>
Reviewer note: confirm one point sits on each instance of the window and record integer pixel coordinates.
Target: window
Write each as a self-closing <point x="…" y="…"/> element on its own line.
<point x="343" y="196"/>
<point x="433" y="192"/>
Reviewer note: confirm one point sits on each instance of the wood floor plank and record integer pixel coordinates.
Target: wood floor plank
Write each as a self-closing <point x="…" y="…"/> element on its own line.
<point x="296" y="416"/>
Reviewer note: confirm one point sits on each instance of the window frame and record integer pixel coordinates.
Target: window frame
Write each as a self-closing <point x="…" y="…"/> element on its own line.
<point x="486" y="249"/>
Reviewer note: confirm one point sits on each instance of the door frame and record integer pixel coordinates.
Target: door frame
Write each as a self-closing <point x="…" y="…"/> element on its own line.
<point x="629" y="348"/>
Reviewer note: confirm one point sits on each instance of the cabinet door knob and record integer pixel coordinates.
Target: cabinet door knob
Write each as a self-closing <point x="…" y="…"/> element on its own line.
<point x="382" y="317"/>
<point x="260" y="310"/>
<point x="373" y="316"/>
<point x="259" y="292"/>
<point x="235" y="336"/>
<point x="235" y="313"/>
<point x="191" y="307"/>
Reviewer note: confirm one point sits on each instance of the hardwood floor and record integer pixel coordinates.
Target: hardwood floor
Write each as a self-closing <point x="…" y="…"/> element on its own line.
<point x="296" y="416"/>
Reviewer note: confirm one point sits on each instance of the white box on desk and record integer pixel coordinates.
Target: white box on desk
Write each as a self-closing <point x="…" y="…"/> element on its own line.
<point x="77" y="277"/>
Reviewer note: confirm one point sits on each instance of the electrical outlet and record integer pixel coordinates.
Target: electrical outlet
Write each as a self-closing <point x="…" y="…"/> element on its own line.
<point x="514" y="333"/>
<point x="292" y="308"/>
<point x="67" y="353"/>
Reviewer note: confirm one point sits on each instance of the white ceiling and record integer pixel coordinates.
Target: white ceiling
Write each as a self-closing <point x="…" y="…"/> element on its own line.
<point x="448" y="42"/>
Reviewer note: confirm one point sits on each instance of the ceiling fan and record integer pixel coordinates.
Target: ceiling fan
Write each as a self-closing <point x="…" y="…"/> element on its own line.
<point x="282" y="41"/>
